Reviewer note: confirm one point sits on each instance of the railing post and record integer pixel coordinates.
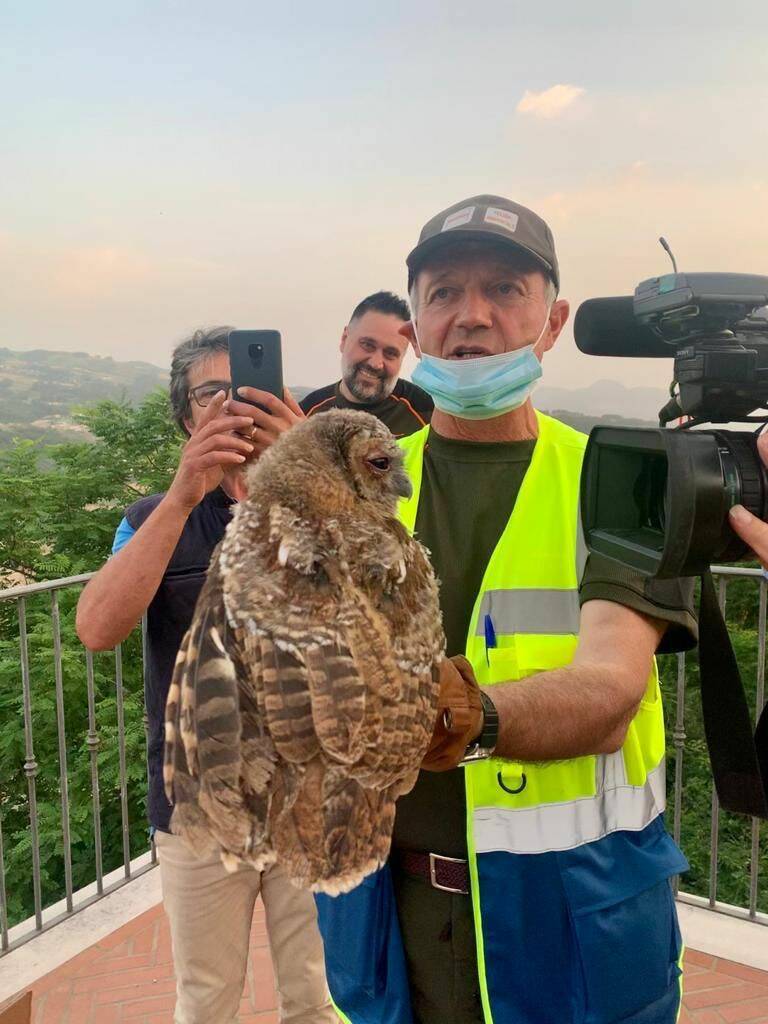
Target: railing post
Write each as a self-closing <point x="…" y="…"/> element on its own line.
<point x="754" y="860"/>
<point x="144" y="715"/>
<point x="3" y="896"/>
<point x="714" y="831"/>
<point x="30" y="764"/>
<point x="62" y="737"/>
<point x="121" y="755"/>
<point x="93" y="742"/>
<point x="678" y="736"/>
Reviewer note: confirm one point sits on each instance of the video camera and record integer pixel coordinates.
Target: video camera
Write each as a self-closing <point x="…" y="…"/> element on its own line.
<point x="658" y="499"/>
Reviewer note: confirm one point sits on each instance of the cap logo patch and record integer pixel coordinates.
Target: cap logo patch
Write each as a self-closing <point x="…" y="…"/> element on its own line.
<point x="504" y="218"/>
<point x="455" y="220"/>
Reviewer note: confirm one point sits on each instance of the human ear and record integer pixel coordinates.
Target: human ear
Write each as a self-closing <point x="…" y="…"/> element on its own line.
<point x="408" y="331"/>
<point x="558" y="317"/>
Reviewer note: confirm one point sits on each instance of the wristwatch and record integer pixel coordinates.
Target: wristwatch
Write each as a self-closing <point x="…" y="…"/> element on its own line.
<point x="485" y="744"/>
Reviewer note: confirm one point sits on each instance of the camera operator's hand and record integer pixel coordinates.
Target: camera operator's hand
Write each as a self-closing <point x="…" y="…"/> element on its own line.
<point x="751" y="529"/>
<point x="216" y="445"/>
<point x="267" y="426"/>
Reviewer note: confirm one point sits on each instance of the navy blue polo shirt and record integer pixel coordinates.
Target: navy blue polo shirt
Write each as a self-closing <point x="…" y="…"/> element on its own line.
<point x="168" y="618"/>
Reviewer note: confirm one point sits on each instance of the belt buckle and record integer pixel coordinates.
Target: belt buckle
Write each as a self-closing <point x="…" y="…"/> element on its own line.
<point x="433" y="859"/>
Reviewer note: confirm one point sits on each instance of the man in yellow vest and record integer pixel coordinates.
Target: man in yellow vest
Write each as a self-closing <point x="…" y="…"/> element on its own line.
<point x="529" y="877"/>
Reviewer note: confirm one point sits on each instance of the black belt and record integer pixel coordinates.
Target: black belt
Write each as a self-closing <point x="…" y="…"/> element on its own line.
<point x="449" y="874"/>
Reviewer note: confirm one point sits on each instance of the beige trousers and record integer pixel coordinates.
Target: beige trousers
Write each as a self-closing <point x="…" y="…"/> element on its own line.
<point x="210" y="912"/>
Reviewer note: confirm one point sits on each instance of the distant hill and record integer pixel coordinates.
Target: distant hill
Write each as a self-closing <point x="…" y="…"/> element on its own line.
<point x="584" y="423"/>
<point x="38" y="389"/>
<point x="604" y="398"/>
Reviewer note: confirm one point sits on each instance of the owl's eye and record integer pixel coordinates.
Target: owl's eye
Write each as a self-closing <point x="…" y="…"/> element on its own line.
<point x="380" y="463"/>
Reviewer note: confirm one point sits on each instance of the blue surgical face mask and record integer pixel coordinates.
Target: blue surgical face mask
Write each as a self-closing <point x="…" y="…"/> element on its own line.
<point x="483" y="387"/>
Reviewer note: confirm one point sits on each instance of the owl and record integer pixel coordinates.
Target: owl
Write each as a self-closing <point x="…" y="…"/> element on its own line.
<point x="305" y="691"/>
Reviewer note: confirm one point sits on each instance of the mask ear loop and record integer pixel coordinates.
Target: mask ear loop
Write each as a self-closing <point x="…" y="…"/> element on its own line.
<point x="416" y="345"/>
<point x="543" y="329"/>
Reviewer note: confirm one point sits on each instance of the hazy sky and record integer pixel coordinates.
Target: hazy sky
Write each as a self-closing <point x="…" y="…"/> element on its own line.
<point x="166" y="165"/>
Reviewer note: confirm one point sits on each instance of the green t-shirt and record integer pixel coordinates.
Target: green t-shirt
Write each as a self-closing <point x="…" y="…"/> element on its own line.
<point x="467" y="495"/>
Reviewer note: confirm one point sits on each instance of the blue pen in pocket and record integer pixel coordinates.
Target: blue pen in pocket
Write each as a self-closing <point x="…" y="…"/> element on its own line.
<point x="490" y="637"/>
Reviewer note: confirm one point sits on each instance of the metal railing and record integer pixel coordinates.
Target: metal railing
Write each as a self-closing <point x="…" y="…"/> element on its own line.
<point x="73" y="901"/>
<point x="44" y="916"/>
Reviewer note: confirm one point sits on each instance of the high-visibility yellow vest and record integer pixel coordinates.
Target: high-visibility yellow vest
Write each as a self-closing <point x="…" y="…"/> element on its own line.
<point x="569" y="860"/>
<point x="530" y="591"/>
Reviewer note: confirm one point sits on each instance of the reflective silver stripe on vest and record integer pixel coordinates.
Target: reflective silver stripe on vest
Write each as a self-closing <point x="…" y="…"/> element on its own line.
<point x="551" y="827"/>
<point x="544" y="611"/>
<point x="610" y="772"/>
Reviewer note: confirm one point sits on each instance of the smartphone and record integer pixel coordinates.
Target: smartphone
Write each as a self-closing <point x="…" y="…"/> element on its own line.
<point x="255" y="361"/>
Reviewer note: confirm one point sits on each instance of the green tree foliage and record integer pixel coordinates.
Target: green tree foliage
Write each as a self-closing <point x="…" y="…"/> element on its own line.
<point x="60" y="507"/>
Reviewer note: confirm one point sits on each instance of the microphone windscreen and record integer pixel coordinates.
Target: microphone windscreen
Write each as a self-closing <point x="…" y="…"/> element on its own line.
<point x="608" y="327"/>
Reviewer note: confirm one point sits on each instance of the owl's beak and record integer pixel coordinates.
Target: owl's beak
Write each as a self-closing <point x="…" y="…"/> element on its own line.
<point x="403" y="487"/>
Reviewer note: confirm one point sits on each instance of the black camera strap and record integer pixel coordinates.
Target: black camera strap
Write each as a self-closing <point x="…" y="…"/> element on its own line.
<point x="738" y="756"/>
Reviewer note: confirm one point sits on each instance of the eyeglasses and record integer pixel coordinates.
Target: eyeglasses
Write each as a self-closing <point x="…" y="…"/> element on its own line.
<point x="204" y="393"/>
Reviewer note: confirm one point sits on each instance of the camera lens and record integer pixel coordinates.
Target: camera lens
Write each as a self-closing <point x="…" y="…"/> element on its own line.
<point x="651" y="495"/>
<point x="745" y="482"/>
<point x="658" y="500"/>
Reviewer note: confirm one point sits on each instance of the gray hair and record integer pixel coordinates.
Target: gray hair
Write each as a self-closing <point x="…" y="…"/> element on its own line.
<point x="187" y="354"/>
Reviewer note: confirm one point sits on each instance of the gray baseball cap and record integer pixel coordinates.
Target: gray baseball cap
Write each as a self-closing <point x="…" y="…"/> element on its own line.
<point x="491" y="217"/>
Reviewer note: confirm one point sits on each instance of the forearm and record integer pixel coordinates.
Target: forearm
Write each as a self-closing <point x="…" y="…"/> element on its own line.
<point x="585" y="707"/>
<point x="118" y="595"/>
<point x="581" y="709"/>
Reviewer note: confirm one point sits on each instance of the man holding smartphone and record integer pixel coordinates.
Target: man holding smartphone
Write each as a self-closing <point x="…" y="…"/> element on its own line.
<point x="372" y="350"/>
<point x="160" y="557"/>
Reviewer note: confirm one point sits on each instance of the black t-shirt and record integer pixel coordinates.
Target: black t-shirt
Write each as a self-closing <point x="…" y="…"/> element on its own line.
<point x="168" y="618"/>
<point x="467" y="495"/>
<point x="405" y="411"/>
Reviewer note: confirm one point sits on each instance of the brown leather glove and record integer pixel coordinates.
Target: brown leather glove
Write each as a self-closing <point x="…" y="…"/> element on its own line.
<point x="459" y="715"/>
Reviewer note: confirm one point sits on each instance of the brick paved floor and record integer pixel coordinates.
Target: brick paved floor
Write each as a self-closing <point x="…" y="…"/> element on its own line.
<point x="127" y="978"/>
<point x="720" y="992"/>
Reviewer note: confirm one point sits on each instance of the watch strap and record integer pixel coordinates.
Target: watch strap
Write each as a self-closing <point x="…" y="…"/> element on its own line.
<point x="489" y="735"/>
<point x="483" y="747"/>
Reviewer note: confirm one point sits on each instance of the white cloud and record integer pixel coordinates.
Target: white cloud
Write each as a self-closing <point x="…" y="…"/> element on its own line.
<point x="551" y="102"/>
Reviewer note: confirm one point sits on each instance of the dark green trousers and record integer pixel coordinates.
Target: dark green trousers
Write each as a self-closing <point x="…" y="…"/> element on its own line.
<point x="439" y="938"/>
